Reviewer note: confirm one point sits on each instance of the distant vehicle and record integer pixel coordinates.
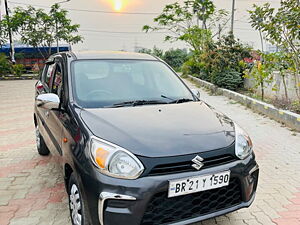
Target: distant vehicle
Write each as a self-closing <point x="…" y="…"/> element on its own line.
<point x="137" y="146"/>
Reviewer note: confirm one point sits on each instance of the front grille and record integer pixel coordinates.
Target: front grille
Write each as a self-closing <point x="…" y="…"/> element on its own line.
<point x="164" y="210"/>
<point x="187" y="165"/>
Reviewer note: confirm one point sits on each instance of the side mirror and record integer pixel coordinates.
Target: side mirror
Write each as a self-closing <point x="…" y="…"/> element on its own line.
<point x="48" y="101"/>
<point x="196" y="93"/>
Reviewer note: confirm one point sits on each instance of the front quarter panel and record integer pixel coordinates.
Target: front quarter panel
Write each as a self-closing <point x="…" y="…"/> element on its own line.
<point x="76" y="155"/>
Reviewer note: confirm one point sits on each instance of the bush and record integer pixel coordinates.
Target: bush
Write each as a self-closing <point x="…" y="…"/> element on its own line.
<point x="191" y="67"/>
<point x="18" y="69"/>
<point x="228" y="79"/>
<point x="175" y="58"/>
<point x="5" y="66"/>
<point x="220" y="63"/>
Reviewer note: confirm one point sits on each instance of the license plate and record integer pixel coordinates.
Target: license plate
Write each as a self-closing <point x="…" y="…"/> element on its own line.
<point x="199" y="183"/>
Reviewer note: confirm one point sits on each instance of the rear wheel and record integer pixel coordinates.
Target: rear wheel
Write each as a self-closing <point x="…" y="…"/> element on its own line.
<point x="40" y="143"/>
<point x="76" y="203"/>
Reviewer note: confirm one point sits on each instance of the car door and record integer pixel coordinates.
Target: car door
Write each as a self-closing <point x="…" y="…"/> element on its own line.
<point x="43" y="86"/>
<point x="55" y="115"/>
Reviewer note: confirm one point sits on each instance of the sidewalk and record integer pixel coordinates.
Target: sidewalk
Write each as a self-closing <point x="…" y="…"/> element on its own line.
<point x="32" y="189"/>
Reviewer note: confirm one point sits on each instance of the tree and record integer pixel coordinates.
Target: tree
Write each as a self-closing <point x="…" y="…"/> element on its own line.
<point x="261" y="72"/>
<point x="281" y="28"/>
<point x="34" y="26"/>
<point x="158" y="52"/>
<point x="5" y="66"/>
<point x="64" y="29"/>
<point x="197" y="38"/>
<point x="145" y="51"/>
<point x="182" y="21"/>
<point x="155" y="52"/>
<point x="3" y="32"/>
<point x="283" y="63"/>
<point x="40" y="29"/>
<point x="203" y="10"/>
<point x="174" y="57"/>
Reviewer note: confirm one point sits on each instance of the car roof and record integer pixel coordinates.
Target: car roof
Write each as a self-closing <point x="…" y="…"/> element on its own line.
<point x="111" y="55"/>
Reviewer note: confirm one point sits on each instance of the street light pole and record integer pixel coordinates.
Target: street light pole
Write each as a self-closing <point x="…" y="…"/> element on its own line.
<point x="56" y="27"/>
<point x="12" y="50"/>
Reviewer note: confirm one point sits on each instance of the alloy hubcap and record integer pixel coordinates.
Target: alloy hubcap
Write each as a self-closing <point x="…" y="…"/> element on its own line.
<point x="37" y="137"/>
<point x="75" y="205"/>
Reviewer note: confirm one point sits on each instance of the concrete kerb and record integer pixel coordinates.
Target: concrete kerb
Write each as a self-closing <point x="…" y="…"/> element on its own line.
<point x="288" y="118"/>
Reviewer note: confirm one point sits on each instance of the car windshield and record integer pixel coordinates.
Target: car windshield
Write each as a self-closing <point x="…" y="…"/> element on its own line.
<point x="117" y="83"/>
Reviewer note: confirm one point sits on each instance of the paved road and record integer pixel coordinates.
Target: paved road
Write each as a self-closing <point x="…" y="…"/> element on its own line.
<point x="32" y="190"/>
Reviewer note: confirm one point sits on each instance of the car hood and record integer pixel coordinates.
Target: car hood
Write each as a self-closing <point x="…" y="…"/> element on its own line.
<point x="162" y="130"/>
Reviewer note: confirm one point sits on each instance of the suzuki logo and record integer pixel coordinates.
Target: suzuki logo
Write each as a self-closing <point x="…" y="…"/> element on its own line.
<point x="197" y="162"/>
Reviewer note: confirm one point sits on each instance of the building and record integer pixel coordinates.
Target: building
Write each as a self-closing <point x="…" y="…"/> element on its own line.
<point x="271" y="48"/>
<point x="32" y="58"/>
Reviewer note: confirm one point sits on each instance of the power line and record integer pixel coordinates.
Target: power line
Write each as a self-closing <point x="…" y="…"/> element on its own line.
<point x="120" y="32"/>
<point x="240" y="21"/>
<point x="248" y="29"/>
<point x="90" y="11"/>
<point x="268" y="1"/>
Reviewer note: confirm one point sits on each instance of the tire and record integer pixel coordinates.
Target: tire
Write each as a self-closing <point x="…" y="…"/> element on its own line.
<point x="40" y="143"/>
<point x="77" y="204"/>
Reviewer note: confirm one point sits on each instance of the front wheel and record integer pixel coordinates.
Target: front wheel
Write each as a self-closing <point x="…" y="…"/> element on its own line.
<point x="40" y="143"/>
<point x="76" y="202"/>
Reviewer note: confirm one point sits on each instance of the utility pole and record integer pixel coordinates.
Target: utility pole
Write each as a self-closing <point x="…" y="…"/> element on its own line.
<point x="0" y="10"/>
<point x="219" y="32"/>
<point x="12" y="50"/>
<point x="203" y="12"/>
<point x="232" y="15"/>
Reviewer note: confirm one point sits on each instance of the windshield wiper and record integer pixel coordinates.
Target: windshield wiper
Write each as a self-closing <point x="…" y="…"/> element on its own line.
<point x="136" y="102"/>
<point x="181" y="100"/>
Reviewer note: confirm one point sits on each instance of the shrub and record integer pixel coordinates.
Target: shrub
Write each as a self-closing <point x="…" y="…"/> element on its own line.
<point x="191" y="67"/>
<point x="175" y="58"/>
<point x="18" y="69"/>
<point x="5" y="66"/>
<point x="228" y="79"/>
<point x="295" y="107"/>
<point x="220" y="63"/>
<point x="286" y="104"/>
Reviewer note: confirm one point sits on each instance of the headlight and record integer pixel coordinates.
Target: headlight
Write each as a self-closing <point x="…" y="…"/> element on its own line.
<point x="243" y="143"/>
<point x="114" y="161"/>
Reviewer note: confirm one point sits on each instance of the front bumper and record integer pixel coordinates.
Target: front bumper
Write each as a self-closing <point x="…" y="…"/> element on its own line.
<point x="125" y="201"/>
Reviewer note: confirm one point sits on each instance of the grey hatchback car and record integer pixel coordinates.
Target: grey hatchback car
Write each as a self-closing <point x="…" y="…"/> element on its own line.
<point x="136" y="145"/>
